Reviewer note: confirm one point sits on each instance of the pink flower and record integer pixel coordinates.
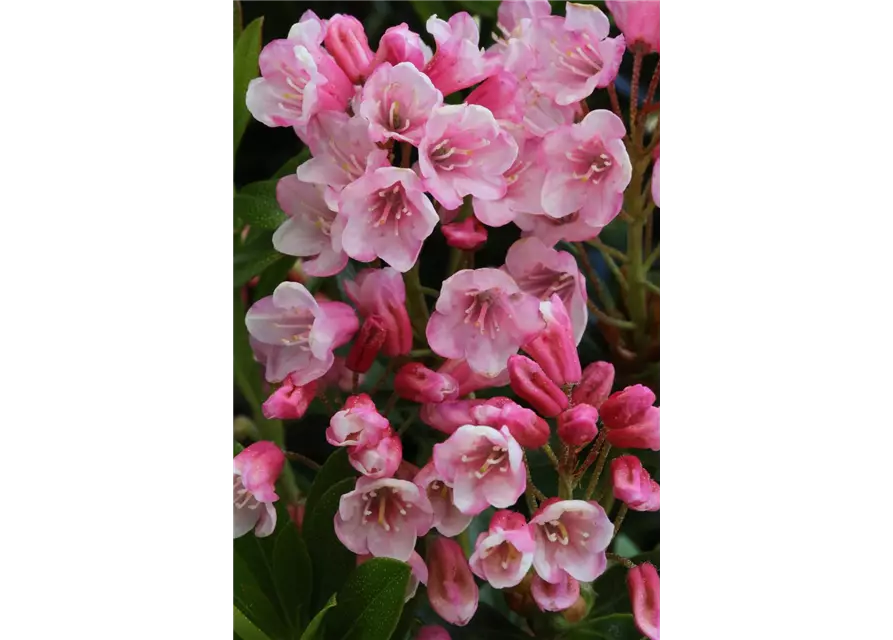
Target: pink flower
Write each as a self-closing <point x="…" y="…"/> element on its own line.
<point x="633" y="485"/>
<point x="644" y="593"/>
<point x="572" y="227"/>
<point x="464" y="152"/>
<point x="543" y="272"/>
<point x="418" y="572"/>
<point x="503" y="554"/>
<point x="500" y="94"/>
<point x="381" y="292"/>
<point x="631" y="420"/>
<point x="526" y="426"/>
<point x="639" y="21"/>
<point x="289" y="402"/>
<point x="342" y="151"/>
<point x="357" y="423"/>
<point x="297" y="334"/>
<point x="470" y="380"/>
<point x="386" y="214"/>
<point x="571" y="536"/>
<point x="531" y="383"/>
<point x="383" y="517"/>
<point x="449" y="415"/>
<point x="340" y="376"/>
<point x="555" y="597"/>
<point x="555" y="347"/>
<point x="448" y="520"/>
<point x="575" y="56"/>
<point x="524" y="182"/>
<point x="308" y="230"/>
<point x="655" y="182"/>
<point x="452" y="591"/>
<point x="417" y="383"/>
<point x="255" y="471"/>
<point x="515" y="16"/>
<point x="588" y="169"/>
<point x="367" y="345"/>
<point x="397" y="101"/>
<point x="595" y="387"/>
<point x="399" y="44"/>
<point x="346" y="41"/>
<point x="468" y="235"/>
<point x="458" y="61"/>
<point x="483" y="317"/>
<point x="432" y="632"/>
<point x="483" y="466"/>
<point x="577" y="425"/>
<point x="377" y="459"/>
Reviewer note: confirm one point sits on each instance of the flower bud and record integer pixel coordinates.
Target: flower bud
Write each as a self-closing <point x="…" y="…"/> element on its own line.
<point x="452" y="591"/>
<point x="639" y="21"/>
<point x="399" y="44"/>
<point x="289" y="402"/>
<point x="358" y="423"/>
<point x="296" y="512"/>
<point x="631" y="420"/>
<point x="595" y="385"/>
<point x="554" y="348"/>
<point x="530" y="382"/>
<point x="555" y="597"/>
<point x="468" y="235"/>
<point x="377" y="459"/>
<point x="633" y="485"/>
<point x="346" y="42"/>
<point x="499" y="93"/>
<point x="367" y="344"/>
<point x="525" y="425"/>
<point x="644" y="593"/>
<point x="577" y="425"/>
<point x="432" y="632"/>
<point x="469" y="380"/>
<point x="448" y="416"/>
<point x="417" y="383"/>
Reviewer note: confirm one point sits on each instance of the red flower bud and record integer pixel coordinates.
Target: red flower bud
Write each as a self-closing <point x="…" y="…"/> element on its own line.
<point x="469" y="235"/>
<point x="631" y="420"/>
<point x="633" y="485"/>
<point x="366" y="345"/>
<point x="530" y="382"/>
<point x="577" y="425"/>
<point x="595" y="386"/>
<point x="554" y="348"/>
<point x="289" y="402"/>
<point x="416" y="382"/>
<point x="644" y="593"/>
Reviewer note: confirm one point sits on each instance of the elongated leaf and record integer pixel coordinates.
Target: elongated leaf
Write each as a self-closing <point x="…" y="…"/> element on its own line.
<point x="335" y="469"/>
<point x="611" y="593"/>
<point x="258" y="209"/>
<point x="487" y="623"/>
<point x="292" y="575"/>
<point x="253" y="600"/>
<point x="332" y="561"/>
<point x="291" y="165"/>
<point x="251" y="263"/>
<point x="246" y="629"/>
<point x="314" y="629"/>
<point x="237" y="23"/>
<point x="245" y="369"/>
<point x="237" y="449"/>
<point x="245" y="55"/>
<point x="371" y="601"/>
<point x="618" y="626"/>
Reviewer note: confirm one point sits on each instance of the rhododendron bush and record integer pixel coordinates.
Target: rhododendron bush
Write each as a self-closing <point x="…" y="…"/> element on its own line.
<point x="446" y="320"/>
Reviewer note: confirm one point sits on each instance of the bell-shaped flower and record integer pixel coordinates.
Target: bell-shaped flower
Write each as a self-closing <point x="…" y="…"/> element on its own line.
<point x="382" y="293"/>
<point x="501" y="94"/>
<point x="255" y="471"/>
<point x="503" y="554"/>
<point x="458" y="61"/>
<point x="377" y="458"/>
<point x="289" y="402"/>
<point x="631" y="420"/>
<point x="400" y="44"/>
<point x="524" y="184"/>
<point x="639" y="21"/>
<point x="397" y="101"/>
<point x="633" y="484"/>
<point x="358" y="423"/>
<point x="556" y="596"/>
<point x="417" y="383"/>
<point x="452" y="591"/>
<point x="526" y="426"/>
<point x="572" y="227"/>
<point x="448" y="520"/>
<point x="571" y="536"/>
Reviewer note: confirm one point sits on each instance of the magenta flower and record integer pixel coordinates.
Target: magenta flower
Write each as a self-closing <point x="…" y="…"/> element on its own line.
<point x="543" y="272"/>
<point x="500" y="93"/>
<point x="555" y="597"/>
<point x="575" y="56"/>
<point x="577" y="425"/>
<point x="458" y="61"/>
<point x="644" y="593"/>
<point x="417" y="383"/>
<point x="468" y="235"/>
<point x="383" y="518"/>
<point x="294" y="334"/>
<point x="448" y="520"/>
<point x="452" y="591"/>
<point x="386" y="214"/>
<point x="367" y="344"/>
<point x="630" y="418"/>
<point x="346" y="41"/>
<point x="587" y="169"/>
<point x="531" y="383"/>
<point x="571" y="536"/>
<point x="399" y="44"/>
<point x="342" y="151"/>
<point x="464" y="152"/>
<point x="358" y="423"/>
<point x="633" y="484"/>
<point x="555" y="347"/>
<point x="308" y="231"/>
<point x="503" y="554"/>
<point x="289" y="402"/>
<point x="524" y="184"/>
<point x="639" y="20"/>
<point x="595" y="387"/>
<point x="255" y="471"/>
<point x="381" y="292"/>
<point x="483" y="466"/>
<point x="482" y="316"/>
<point x="397" y="101"/>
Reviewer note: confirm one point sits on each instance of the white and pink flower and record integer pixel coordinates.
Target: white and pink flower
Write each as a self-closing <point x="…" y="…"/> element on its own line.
<point x="571" y="536"/>
<point x="448" y="520"/>
<point x="504" y="553"/>
<point x="397" y="101"/>
<point x="458" y="61"/>
<point x="255" y="471"/>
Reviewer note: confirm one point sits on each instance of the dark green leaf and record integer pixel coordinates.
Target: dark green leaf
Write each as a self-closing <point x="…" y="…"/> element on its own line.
<point x="313" y="630"/>
<point x="291" y="166"/>
<point x="611" y="593"/>
<point x="486" y="8"/>
<point x="237" y="449"/>
<point x="246" y="629"/>
<point x="273" y="276"/>
<point x="254" y="600"/>
<point x="259" y="211"/>
<point x="237" y="22"/>
<point x="332" y="561"/>
<point x="335" y="469"/>
<point x="371" y="601"/>
<point x="427" y="8"/>
<point x="253" y="257"/>
<point x="292" y="574"/>
<point x="245" y="369"/>
<point x="487" y="623"/>
<point x="618" y="626"/>
<point x="245" y="56"/>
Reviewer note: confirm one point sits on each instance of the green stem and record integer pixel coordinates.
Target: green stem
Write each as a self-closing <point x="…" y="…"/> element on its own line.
<point x="598" y="470"/>
<point x="300" y="457"/>
<point x="651" y="258"/>
<point x="615" y="253"/>
<point x="528" y="490"/>
<point x="593" y="453"/>
<point x="651" y="287"/>
<point x="551" y="455"/>
<point x="636" y="299"/>
<point x="603" y="317"/>
<point x="420" y="353"/>
<point x="621" y="514"/>
<point x="601" y="290"/>
<point x="611" y="264"/>
<point x="626" y="562"/>
<point x="415" y="300"/>
<point x="428" y="291"/>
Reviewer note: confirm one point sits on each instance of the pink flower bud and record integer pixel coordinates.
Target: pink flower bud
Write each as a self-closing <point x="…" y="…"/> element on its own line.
<point x="416" y="382"/>
<point x="346" y="41"/>
<point x="633" y="484"/>
<point x="639" y="20"/>
<point x="630" y="419"/>
<point x="554" y="348"/>
<point x="448" y="416"/>
<point x="595" y="386"/>
<point x="432" y="632"/>
<point x="379" y="459"/>
<point x="469" y="380"/>
<point x="381" y="292"/>
<point x="255" y="471"/>
<point x="577" y="425"/>
<point x="531" y="383"/>
<point x="555" y="597"/>
<point x="644" y="593"/>
<point x="399" y="44"/>
<point x="525" y="425"/>
<point x="452" y="591"/>
<point x="499" y="93"/>
<point x="367" y="344"/>
<point x="358" y="423"/>
<point x="289" y="402"/>
<point x="504" y="553"/>
<point x="468" y="235"/>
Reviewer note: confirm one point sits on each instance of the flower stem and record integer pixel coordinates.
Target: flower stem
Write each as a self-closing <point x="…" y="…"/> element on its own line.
<point x="551" y="455"/>
<point x="603" y="249"/>
<point x="634" y="90"/>
<point x="651" y="258"/>
<point x="652" y="86"/>
<point x="415" y="300"/>
<point x="621" y="514"/>
<point x="593" y="453"/>
<point x="626" y="562"/>
<point x="602" y="456"/>
<point x="299" y="457"/>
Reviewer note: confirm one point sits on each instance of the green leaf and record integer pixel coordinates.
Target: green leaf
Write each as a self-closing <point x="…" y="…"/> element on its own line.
<point x="611" y="594"/>
<point x="248" y="265"/>
<point x="237" y="21"/>
<point x="237" y="449"/>
<point x="245" y="69"/>
<point x="486" y="8"/>
<point x="246" y="629"/>
<point x="313" y="630"/>
<point x="292" y="574"/>
<point x="619" y="626"/>
<point x="273" y="276"/>
<point x="332" y="561"/>
<point x="256" y="205"/>
<point x="371" y="601"/>
<point x="490" y="624"/>
<point x="291" y="166"/>
<point x="427" y="8"/>
<point x="245" y="370"/>
<point x="254" y="599"/>
<point x="335" y="469"/>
